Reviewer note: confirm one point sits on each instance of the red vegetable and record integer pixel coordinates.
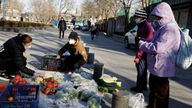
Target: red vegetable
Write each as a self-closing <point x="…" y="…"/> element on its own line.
<point x="53" y="91"/>
<point x="55" y="84"/>
<point x="49" y="86"/>
<point x="47" y="91"/>
<point x="2" y="87"/>
<point x="18" y="77"/>
<point x="10" y="98"/>
<point x="51" y="80"/>
<point x="19" y="80"/>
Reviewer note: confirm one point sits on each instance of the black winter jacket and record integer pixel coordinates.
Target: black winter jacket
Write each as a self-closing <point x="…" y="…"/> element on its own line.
<point x="11" y="57"/>
<point x="62" y="25"/>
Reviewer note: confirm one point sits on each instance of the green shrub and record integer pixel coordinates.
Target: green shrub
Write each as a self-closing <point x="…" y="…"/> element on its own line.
<point x="23" y="24"/>
<point x="2" y="23"/>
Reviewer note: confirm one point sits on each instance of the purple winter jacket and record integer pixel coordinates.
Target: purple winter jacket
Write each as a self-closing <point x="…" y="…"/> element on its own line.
<point x="165" y="44"/>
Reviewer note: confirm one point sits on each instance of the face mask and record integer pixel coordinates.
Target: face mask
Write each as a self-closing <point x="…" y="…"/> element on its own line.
<point x="155" y="25"/>
<point x="71" y="41"/>
<point x="27" y="47"/>
<point x="138" y="20"/>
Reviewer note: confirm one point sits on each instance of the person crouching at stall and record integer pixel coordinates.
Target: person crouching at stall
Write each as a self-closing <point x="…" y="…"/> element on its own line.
<point x="78" y="55"/>
<point x="12" y="56"/>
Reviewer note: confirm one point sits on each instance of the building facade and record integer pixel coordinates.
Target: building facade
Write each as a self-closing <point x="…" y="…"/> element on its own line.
<point x="182" y="10"/>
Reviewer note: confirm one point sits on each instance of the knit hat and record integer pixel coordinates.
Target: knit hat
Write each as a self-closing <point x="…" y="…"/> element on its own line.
<point x="73" y="35"/>
<point x="140" y="13"/>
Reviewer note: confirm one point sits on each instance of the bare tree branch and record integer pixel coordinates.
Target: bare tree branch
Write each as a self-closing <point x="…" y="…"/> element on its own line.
<point x="65" y="6"/>
<point x="43" y="9"/>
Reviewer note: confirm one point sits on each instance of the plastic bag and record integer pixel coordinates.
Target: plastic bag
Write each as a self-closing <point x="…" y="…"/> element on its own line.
<point x="66" y="84"/>
<point x="184" y="57"/>
<point x="93" y="103"/>
<point x="86" y="94"/>
<point x="137" y="101"/>
<point x="43" y="101"/>
<point x="71" y="92"/>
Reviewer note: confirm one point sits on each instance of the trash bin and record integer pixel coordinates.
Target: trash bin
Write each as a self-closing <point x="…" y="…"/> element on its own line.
<point x="87" y="49"/>
<point x="120" y="99"/>
<point x="98" y="70"/>
<point x="91" y="57"/>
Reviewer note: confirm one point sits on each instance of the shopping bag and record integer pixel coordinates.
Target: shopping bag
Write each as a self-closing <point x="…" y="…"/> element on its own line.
<point x="136" y="101"/>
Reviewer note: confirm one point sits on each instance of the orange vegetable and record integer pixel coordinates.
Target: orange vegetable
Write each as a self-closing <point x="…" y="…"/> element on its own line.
<point x="10" y="98"/>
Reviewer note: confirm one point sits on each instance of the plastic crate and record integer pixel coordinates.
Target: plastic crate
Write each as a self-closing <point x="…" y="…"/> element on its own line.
<point x="25" y="96"/>
<point x="50" y="63"/>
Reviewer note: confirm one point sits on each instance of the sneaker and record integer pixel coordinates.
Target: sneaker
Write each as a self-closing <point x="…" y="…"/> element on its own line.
<point x="135" y="89"/>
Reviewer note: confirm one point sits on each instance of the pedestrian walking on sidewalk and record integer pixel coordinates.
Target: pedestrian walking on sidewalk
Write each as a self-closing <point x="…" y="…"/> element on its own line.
<point x="93" y="31"/>
<point x="62" y="27"/>
<point x="145" y="31"/>
<point x="165" y="44"/>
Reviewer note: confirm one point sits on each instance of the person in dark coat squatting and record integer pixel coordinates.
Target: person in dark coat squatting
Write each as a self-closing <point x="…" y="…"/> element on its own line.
<point x="78" y="55"/>
<point x="62" y="27"/>
<point x="13" y="57"/>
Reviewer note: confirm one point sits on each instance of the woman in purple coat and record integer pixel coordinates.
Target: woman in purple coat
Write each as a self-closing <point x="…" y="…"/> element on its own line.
<point x="160" y="53"/>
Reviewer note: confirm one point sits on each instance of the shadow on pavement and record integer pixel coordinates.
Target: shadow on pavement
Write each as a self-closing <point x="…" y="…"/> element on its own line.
<point x="178" y="104"/>
<point x="105" y="43"/>
<point x="184" y="77"/>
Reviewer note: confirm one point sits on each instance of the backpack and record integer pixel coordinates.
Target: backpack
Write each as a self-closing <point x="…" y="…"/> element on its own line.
<point x="184" y="55"/>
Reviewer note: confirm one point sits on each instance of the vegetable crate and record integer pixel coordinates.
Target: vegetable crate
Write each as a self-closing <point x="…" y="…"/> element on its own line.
<point x="50" y="63"/>
<point x="20" y="96"/>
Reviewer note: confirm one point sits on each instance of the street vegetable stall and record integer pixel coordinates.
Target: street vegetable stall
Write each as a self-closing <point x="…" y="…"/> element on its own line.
<point x="55" y="89"/>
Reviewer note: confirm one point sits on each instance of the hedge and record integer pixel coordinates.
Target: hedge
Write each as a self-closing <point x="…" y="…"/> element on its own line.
<point x="22" y="24"/>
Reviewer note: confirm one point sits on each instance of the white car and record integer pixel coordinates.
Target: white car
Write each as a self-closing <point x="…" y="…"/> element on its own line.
<point x="129" y="38"/>
<point x="69" y="25"/>
<point x="85" y="28"/>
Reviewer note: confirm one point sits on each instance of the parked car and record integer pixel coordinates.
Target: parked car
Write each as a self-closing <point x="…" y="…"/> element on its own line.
<point x="69" y="25"/>
<point x="77" y="27"/>
<point x="129" y="38"/>
<point x="85" y="28"/>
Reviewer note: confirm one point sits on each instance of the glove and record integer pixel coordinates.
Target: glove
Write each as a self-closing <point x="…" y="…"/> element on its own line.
<point x="136" y="60"/>
<point x="39" y="73"/>
<point x="76" y="65"/>
<point x="58" y="56"/>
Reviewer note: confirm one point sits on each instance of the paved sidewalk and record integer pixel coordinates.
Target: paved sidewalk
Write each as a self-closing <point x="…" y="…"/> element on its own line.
<point x="115" y="37"/>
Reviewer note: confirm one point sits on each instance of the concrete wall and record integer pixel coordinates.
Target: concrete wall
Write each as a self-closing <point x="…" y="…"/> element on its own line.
<point x="111" y="26"/>
<point x="120" y="25"/>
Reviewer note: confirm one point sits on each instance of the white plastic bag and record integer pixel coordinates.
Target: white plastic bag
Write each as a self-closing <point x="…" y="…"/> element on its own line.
<point x="137" y="101"/>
